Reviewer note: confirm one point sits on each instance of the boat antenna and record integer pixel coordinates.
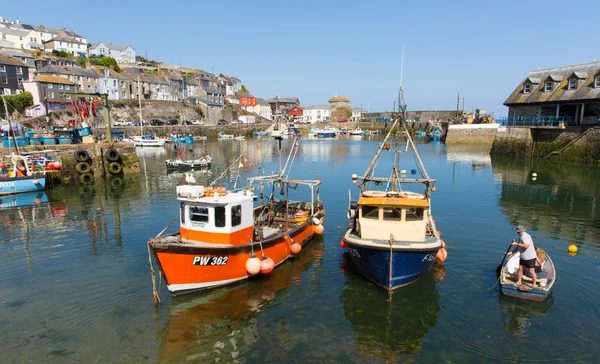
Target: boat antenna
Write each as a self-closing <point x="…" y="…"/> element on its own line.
<point x="401" y="67"/>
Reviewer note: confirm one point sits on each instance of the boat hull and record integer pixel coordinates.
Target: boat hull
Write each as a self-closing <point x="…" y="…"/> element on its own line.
<point x="407" y="264"/>
<point x="187" y="165"/>
<point x="11" y="186"/>
<point x="189" y="266"/>
<point x="534" y="294"/>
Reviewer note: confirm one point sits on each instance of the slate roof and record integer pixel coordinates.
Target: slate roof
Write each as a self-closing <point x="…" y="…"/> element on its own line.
<point x="133" y="74"/>
<point x="42" y="28"/>
<point x="212" y="91"/>
<point x="13" y="31"/>
<point x="64" y="70"/>
<point x="317" y="107"/>
<point x="65" y="38"/>
<point x="284" y="100"/>
<point x="560" y="77"/>
<point x="110" y="46"/>
<point x="99" y="70"/>
<point x="261" y="101"/>
<point x="11" y="61"/>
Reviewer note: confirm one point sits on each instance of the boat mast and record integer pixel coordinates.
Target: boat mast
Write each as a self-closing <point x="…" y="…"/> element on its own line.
<point x="10" y="129"/>
<point x="140" y="106"/>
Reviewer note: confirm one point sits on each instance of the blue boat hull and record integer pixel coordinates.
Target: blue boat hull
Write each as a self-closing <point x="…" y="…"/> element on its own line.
<point x="23" y="199"/>
<point x="11" y="186"/>
<point x="407" y="265"/>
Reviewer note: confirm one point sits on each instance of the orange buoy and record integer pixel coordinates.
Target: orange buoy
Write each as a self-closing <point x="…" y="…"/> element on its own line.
<point x="350" y="224"/>
<point x="441" y="255"/>
<point x="343" y="244"/>
<point x="295" y="247"/>
<point x="1" y="165"/>
<point x="443" y="244"/>
<point x="50" y="165"/>
<point x="253" y="265"/>
<point x="57" y="165"/>
<point x="319" y="229"/>
<point x="387" y="146"/>
<point x="266" y="265"/>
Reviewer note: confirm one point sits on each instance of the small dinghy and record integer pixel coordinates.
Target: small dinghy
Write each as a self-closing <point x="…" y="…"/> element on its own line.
<point x="545" y="272"/>
<point x="203" y="162"/>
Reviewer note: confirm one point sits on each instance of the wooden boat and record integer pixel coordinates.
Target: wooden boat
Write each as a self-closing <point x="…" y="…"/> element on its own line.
<point x="203" y="162"/>
<point x="393" y="240"/>
<point x="545" y="279"/>
<point x="224" y="239"/>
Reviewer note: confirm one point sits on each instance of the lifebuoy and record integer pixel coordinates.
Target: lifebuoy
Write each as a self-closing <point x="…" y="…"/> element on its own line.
<point x="86" y="178"/>
<point x="112" y="155"/>
<point x="81" y="155"/>
<point x="115" y="168"/>
<point x="83" y="167"/>
<point x="210" y="191"/>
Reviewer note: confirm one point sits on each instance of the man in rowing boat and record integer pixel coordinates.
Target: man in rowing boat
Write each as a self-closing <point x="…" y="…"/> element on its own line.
<point x="528" y="255"/>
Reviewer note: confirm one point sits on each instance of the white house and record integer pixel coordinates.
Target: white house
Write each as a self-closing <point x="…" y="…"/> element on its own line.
<point x="109" y="82"/>
<point x="123" y="54"/>
<point x="263" y="108"/>
<point x="18" y="38"/>
<point x="356" y="113"/>
<point x="64" y="42"/>
<point x="316" y="113"/>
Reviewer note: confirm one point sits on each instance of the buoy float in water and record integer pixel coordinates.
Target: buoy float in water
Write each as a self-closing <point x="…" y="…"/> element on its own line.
<point x="319" y="229"/>
<point x="253" y="265"/>
<point x="441" y="255"/>
<point x="266" y="265"/>
<point x="343" y="244"/>
<point x="534" y="174"/>
<point x="295" y="247"/>
<point x="572" y="248"/>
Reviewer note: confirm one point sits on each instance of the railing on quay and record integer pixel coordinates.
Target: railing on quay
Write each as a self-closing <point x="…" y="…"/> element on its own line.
<point x="536" y="121"/>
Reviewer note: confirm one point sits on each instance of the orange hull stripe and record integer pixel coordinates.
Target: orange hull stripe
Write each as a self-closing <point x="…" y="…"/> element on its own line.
<point x="241" y="237"/>
<point x="178" y="268"/>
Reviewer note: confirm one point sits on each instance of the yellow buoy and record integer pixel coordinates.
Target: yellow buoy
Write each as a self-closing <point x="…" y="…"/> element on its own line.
<point x="572" y="248"/>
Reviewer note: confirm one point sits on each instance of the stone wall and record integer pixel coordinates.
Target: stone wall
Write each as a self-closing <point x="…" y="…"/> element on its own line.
<point x="472" y="134"/>
<point x="513" y="142"/>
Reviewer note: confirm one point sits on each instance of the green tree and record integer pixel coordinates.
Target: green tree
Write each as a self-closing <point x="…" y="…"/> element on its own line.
<point x="244" y="89"/>
<point x="64" y="54"/>
<point x="82" y="61"/>
<point x="109" y="61"/>
<point x="17" y="102"/>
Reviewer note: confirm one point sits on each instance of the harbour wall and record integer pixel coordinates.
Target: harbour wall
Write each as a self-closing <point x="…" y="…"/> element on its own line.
<point x="472" y="133"/>
<point x="97" y="152"/>
<point x="573" y="144"/>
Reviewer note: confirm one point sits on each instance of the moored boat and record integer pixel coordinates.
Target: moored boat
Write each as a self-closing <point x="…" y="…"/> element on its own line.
<point x="203" y="162"/>
<point x="357" y="131"/>
<point x="224" y="239"/>
<point x="545" y="278"/>
<point x="222" y="135"/>
<point x="393" y="240"/>
<point x="148" y="141"/>
<point x="19" y="176"/>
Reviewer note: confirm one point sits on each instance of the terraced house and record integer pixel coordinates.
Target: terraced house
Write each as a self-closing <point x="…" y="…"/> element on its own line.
<point x="13" y="73"/>
<point x="557" y="97"/>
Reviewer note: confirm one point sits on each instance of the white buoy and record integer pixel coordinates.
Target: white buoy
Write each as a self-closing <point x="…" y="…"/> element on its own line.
<point x="354" y="176"/>
<point x="403" y="171"/>
<point x="533" y="178"/>
<point x="534" y="174"/>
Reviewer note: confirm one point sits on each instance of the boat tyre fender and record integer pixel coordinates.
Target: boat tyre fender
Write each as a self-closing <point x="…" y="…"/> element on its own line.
<point x="116" y="181"/>
<point x="112" y="155"/>
<point x="86" y="178"/>
<point x="83" y="167"/>
<point x="81" y="155"/>
<point x="115" y="168"/>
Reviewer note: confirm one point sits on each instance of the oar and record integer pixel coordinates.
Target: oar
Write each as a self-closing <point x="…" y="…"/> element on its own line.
<point x="503" y="258"/>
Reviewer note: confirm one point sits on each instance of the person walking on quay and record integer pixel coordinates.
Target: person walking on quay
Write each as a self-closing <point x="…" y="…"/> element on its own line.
<point x="528" y="255"/>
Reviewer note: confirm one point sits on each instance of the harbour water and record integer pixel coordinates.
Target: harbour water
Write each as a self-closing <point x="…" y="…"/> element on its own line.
<point x="75" y="283"/>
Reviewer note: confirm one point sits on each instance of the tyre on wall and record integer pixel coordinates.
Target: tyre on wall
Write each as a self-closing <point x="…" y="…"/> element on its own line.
<point x="81" y="155"/>
<point x="116" y="181"/>
<point x="83" y="167"/>
<point x="86" y="178"/>
<point x="112" y="155"/>
<point x="115" y="168"/>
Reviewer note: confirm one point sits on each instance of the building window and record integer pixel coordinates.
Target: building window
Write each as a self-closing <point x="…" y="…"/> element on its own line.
<point x="60" y="87"/>
<point x="2" y="68"/>
<point x="414" y="214"/>
<point x="5" y="80"/>
<point x="50" y="85"/>
<point x="89" y="79"/>
<point x="115" y="83"/>
<point x="236" y="215"/>
<point x="199" y="213"/>
<point x="51" y="94"/>
<point x="572" y="83"/>
<point x="67" y="87"/>
<point x="548" y="87"/>
<point x="20" y="81"/>
<point x="597" y="83"/>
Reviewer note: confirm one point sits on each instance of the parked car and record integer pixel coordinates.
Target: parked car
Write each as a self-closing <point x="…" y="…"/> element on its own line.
<point x="193" y="122"/>
<point x="120" y="123"/>
<point x="236" y="122"/>
<point x="222" y="122"/>
<point x="137" y="123"/>
<point x="156" y="122"/>
<point x="172" y="122"/>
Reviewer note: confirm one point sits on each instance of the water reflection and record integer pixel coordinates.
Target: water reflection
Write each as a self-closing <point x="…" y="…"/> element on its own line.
<point x="22" y="199"/>
<point x="518" y="315"/>
<point x="387" y="329"/>
<point x="222" y="324"/>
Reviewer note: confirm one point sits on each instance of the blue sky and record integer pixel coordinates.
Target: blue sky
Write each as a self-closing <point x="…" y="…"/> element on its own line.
<point x="317" y="49"/>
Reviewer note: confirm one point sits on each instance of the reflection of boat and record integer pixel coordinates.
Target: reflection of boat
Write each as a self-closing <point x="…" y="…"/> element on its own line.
<point x="222" y="135"/>
<point x="386" y="328"/>
<point x="229" y="313"/>
<point x="357" y="131"/>
<point x="148" y="141"/>
<point x="517" y="314"/>
<point x="545" y="280"/>
<point x="220" y="232"/>
<point x="393" y="240"/>
<point x="260" y="133"/>
<point x="21" y="176"/>
<point x="22" y="199"/>
<point x="239" y="137"/>
<point x="203" y="162"/>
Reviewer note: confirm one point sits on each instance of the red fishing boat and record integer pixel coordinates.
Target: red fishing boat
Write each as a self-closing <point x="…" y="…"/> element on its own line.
<point x="224" y="239"/>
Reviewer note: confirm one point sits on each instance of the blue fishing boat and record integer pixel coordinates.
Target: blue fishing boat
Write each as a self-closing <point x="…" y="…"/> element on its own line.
<point x="393" y="240"/>
<point x="18" y="176"/>
<point x="23" y="199"/>
<point x="545" y="274"/>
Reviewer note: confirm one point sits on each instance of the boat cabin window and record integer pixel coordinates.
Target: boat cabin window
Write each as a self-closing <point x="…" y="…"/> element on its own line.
<point x="182" y="212"/>
<point x="236" y="215"/>
<point x="392" y="213"/>
<point x="220" y="216"/>
<point x="370" y="212"/>
<point x="199" y="213"/>
<point x="414" y="214"/>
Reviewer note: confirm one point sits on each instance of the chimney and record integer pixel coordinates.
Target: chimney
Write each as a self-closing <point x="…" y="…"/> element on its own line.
<point x="159" y="71"/>
<point x="17" y="21"/>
